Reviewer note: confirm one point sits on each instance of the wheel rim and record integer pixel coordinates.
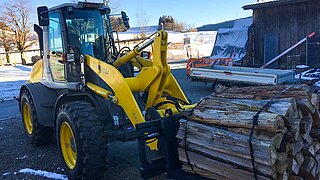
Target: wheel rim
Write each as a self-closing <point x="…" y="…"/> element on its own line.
<point x="68" y="145"/>
<point x="27" y="118"/>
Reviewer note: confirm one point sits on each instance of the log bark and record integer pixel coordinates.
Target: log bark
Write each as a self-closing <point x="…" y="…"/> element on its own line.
<point x="225" y="171"/>
<point x="227" y="143"/>
<point x="241" y="119"/>
<point x="308" y="168"/>
<point x="263" y="92"/>
<point x="285" y="139"/>
<point x="315" y="101"/>
<point x="293" y="166"/>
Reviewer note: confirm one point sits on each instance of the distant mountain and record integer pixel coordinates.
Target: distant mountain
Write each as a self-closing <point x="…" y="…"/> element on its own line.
<point x="215" y="27"/>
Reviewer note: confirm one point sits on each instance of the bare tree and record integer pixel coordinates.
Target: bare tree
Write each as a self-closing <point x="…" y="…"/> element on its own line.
<point x="6" y="40"/>
<point x="18" y="20"/>
<point x="142" y="20"/>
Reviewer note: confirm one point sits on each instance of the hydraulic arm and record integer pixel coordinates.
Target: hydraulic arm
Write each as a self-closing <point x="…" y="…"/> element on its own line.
<point x="155" y="78"/>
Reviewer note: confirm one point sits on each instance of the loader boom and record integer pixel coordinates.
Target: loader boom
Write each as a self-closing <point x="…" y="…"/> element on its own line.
<point x="155" y="78"/>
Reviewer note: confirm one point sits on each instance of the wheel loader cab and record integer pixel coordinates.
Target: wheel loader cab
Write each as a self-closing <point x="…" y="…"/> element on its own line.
<point x="70" y="32"/>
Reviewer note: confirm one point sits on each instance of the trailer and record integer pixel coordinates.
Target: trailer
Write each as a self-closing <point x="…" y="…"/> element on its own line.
<point x="222" y="76"/>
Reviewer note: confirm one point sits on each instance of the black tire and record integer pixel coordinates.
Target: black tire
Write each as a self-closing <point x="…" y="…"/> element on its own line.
<point x="218" y="87"/>
<point x="40" y="135"/>
<point x="90" y="138"/>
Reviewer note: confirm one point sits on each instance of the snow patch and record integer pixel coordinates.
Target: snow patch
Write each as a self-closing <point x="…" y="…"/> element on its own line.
<point x="11" y="79"/>
<point x="23" y="157"/>
<point x="6" y="174"/>
<point x="45" y="174"/>
<point x="178" y="65"/>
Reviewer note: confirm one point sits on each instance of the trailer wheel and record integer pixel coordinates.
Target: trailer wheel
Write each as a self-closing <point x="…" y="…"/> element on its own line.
<point x="82" y="141"/>
<point x="218" y="87"/>
<point x="37" y="134"/>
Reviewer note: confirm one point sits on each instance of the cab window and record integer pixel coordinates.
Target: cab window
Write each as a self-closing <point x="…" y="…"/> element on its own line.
<point x="56" y="47"/>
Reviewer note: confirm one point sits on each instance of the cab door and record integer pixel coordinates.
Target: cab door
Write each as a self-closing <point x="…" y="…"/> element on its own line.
<point x="56" y="50"/>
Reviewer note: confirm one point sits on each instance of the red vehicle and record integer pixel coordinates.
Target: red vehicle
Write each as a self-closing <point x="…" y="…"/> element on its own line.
<point x="201" y="62"/>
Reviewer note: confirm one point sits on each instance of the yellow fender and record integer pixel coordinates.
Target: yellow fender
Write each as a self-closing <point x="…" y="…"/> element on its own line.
<point x="36" y="72"/>
<point x="120" y="88"/>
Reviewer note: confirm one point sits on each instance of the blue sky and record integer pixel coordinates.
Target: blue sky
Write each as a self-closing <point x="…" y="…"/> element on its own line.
<point x="195" y="13"/>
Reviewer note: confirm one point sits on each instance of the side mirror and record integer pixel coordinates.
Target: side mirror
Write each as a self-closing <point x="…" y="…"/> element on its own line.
<point x="43" y="15"/>
<point x="39" y="31"/>
<point x="125" y="19"/>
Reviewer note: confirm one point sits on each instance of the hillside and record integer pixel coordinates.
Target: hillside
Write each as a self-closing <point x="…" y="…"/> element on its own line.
<point x="215" y="27"/>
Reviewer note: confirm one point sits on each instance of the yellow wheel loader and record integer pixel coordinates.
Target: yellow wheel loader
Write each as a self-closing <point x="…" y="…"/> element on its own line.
<point x="85" y="93"/>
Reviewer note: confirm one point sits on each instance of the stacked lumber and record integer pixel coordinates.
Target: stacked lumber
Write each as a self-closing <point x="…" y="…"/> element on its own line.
<point x="214" y="139"/>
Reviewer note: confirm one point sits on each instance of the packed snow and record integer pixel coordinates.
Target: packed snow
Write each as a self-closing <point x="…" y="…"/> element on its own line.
<point x="44" y="174"/>
<point x="11" y="79"/>
<point x="201" y="43"/>
<point x="23" y="157"/>
<point x="6" y="174"/>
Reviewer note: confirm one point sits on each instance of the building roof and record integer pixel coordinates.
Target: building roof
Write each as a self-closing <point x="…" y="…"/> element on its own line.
<point x="270" y="3"/>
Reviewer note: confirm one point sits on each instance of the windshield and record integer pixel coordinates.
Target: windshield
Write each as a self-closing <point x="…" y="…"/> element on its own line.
<point x="86" y="32"/>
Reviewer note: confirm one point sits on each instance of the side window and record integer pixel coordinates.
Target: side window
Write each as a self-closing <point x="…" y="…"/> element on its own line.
<point x="55" y="47"/>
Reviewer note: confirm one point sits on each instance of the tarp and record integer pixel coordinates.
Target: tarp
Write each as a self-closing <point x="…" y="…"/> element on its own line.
<point x="232" y="42"/>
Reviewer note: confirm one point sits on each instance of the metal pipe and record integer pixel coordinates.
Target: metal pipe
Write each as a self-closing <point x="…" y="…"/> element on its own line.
<point x="145" y="45"/>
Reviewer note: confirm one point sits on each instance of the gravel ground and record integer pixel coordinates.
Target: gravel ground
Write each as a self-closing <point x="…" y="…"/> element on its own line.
<point x="17" y="153"/>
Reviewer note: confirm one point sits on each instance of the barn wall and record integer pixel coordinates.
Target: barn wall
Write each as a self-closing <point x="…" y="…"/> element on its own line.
<point x="292" y="22"/>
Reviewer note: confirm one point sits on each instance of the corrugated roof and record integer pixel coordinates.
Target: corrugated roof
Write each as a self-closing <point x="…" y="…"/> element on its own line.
<point x="270" y="3"/>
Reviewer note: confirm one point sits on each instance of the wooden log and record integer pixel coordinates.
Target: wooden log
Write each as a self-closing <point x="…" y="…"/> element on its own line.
<point x="227" y="143"/>
<point x="275" y="138"/>
<point x="307" y="139"/>
<point x="283" y="176"/>
<point x="316" y="118"/>
<point x="242" y="119"/>
<point x="297" y="147"/>
<point x="281" y="163"/>
<point x="262" y="92"/>
<point x="299" y="158"/>
<point x="228" y="158"/>
<point x="308" y="168"/>
<point x="222" y="169"/>
<point x="308" y="151"/>
<point x="293" y="166"/>
<point x="315" y="100"/>
<point x="316" y="146"/>
<point x="290" y="136"/>
<point x="294" y="177"/>
<point x="306" y="106"/>
<point x="296" y="128"/>
<point x="306" y="125"/>
<point x="279" y="106"/>
<point x="318" y="164"/>
<point x="315" y="133"/>
<point x="202" y="172"/>
<point x="286" y="147"/>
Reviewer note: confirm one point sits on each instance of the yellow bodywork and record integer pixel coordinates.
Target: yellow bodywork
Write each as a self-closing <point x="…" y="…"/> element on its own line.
<point x="155" y="77"/>
<point x="36" y="72"/>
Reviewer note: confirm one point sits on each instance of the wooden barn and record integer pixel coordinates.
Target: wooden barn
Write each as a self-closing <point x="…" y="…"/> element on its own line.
<point x="280" y="24"/>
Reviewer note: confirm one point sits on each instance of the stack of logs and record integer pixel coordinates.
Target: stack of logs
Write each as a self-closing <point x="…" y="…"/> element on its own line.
<point x="213" y="141"/>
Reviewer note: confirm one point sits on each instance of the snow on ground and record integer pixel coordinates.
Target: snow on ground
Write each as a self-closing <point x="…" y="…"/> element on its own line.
<point x="11" y="79"/>
<point x="45" y="174"/>
<point x="201" y="43"/>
